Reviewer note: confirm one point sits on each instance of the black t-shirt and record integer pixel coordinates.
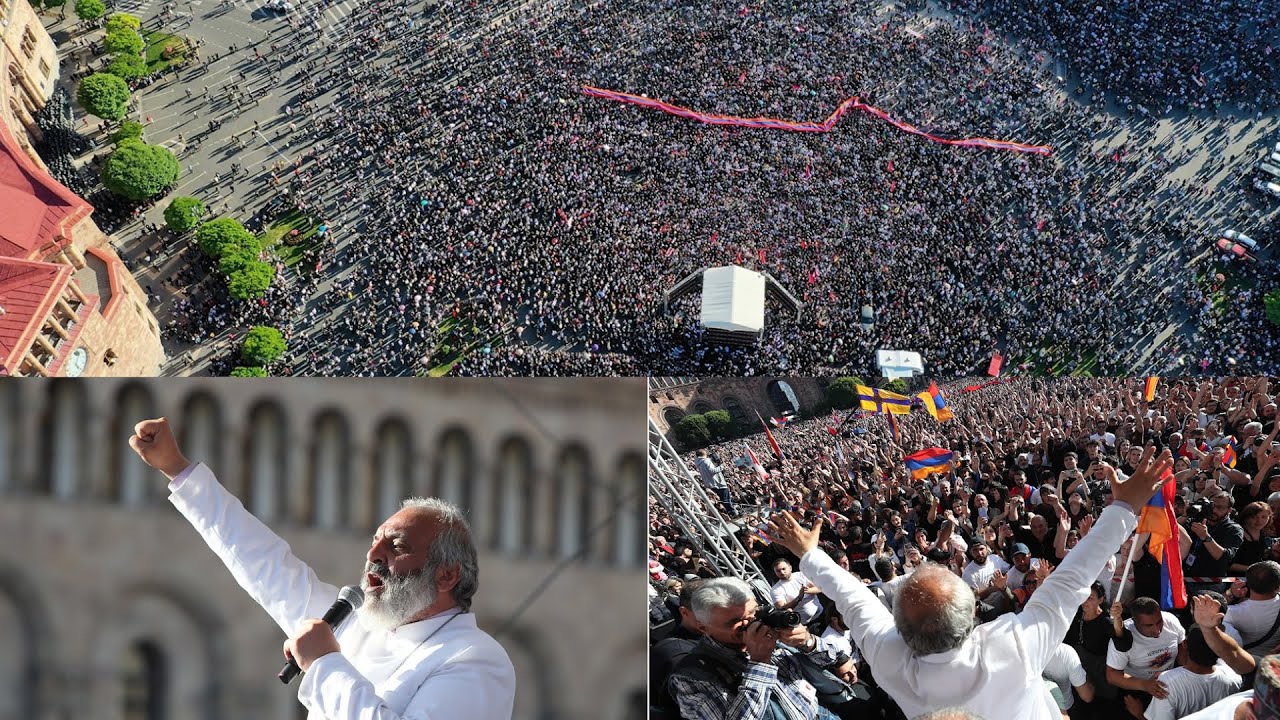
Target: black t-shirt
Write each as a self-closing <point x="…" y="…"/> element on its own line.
<point x="1039" y="548"/>
<point x="1091" y="636"/>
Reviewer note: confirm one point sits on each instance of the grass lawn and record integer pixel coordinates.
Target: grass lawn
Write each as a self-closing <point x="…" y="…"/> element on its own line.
<point x="463" y="337"/>
<point x="156" y="43"/>
<point x="274" y="236"/>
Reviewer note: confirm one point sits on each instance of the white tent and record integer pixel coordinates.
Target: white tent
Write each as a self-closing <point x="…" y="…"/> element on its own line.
<point x="733" y="299"/>
<point x="899" y="363"/>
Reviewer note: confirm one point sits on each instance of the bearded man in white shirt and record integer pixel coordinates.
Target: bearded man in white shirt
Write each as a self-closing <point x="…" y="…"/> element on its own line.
<point x="927" y="653"/>
<point x="412" y="651"/>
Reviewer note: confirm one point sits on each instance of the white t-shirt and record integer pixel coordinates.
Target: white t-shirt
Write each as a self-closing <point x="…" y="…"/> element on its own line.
<point x="1254" y="618"/>
<point x="1065" y="671"/>
<point x="1224" y="709"/>
<point x="978" y="576"/>
<point x="1190" y="692"/>
<point x="784" y="591"/>
<point x="1148" y="656"/>
<point x="840" y="641"/>
<point x="1106" y="438"/>
<point x="1016" y="576"/>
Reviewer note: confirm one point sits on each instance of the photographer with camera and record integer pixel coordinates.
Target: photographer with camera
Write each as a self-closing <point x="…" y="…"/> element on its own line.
<point x="742" y="667"/>
<point x="1209" y="541"/>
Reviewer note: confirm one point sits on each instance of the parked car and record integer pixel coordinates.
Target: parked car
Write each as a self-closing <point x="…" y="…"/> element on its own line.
<point x="1237" y="236"/>
<point x="1270" y="169"/>
<point x="1234" y="249"/>
<point x="280" y="6"/>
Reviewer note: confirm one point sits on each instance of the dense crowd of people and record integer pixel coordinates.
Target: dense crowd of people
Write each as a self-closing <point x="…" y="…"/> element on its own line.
<point x="1035" y="462"/>
<point x="478" y="183"/>
<point x="469" y="180"/>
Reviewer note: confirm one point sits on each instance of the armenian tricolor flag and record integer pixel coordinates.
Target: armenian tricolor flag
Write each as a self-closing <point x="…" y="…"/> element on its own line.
<point x="1149" y="392"/>
<point x="1229" y="455"/>
<point x="883" y="401"/>
<point x="772" y="443"/>
<point x="924" y="463"/>
<point x="1157" y="518"/>
<point x="936" y="404"/>
<point x="893" y="427"/>
<point x="755" y="464"/>
<point x="764" y="536"/>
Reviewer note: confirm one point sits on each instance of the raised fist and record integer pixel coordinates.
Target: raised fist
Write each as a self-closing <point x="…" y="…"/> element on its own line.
<point x="154" y="442"/>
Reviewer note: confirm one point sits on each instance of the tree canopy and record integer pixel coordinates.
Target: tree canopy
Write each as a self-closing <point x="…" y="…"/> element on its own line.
<point x="104" y="95"/>
<point x="262" y="346"/>
<point x="183" y="214"/>
<point x="249" y="372"/>
<point x="139" y="171"/>
<point x="90" y="9"/>
<point x="252" y="282"/>
<point x="842" y="393"/>
<point x="217" y="236"/>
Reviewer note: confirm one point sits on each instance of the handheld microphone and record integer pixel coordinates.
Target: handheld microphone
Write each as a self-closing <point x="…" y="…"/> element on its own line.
<point x="349" y="598"/>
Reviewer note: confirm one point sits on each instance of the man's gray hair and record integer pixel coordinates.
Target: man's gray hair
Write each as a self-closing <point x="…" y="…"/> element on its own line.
<point x="453" y="546"/>
<point x="926" y="625"/>
<point x="718" y="593"/>
<point x="1255" y="426"/>
<point x="948" y="714"/>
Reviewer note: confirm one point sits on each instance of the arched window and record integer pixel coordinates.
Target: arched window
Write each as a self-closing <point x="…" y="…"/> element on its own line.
<point x="143" y="678"/>
<point x="131" y="478"/>
<point x="734" y="408"/>
<point x="61" y="436"/>
<point x="514" y="497"/>
<point x="330" y="470"/>
<point x="266" y="456"/>
<point x="628" y="497"/>
<point x="700" y="407"/>
<point x="393" y="467"/>
<point x="9" y="433"/>
<point x="453" y="467"/>
<point x="202" y="429"/>
<point x="672" y="415"/>
<point x="573" y="502"/>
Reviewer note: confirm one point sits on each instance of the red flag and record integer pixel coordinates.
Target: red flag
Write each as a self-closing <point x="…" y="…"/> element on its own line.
<point x="890" y="166"/>
<point x="772" y="443"/>
<point x="714" y="234"/>
<point x="739" y="258"/>
<point x="813" y="276"/>
<point x="996" y="361"/>
<point x="760" y="254"/>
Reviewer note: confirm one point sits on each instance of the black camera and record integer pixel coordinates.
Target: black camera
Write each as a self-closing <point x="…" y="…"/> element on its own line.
<point x="776" y="617"/>
<point x="1198" y="511"/>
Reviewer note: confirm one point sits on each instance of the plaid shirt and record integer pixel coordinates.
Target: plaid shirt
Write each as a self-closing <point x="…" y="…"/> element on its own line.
<point x="783" y="679"/>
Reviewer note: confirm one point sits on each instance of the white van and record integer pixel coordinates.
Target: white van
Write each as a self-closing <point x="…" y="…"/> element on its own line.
<point x="1270" y="169"/>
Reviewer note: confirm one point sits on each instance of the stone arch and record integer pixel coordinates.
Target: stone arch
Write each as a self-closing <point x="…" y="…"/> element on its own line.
<point x="266" y="454"/>
<point x="514" y="509"/>
<point x="189" y="638"/>
<point x="783" y="397"/>
<point x="202" y="428"/>
<point x="62" y="438"/>
<point x="701" y="406"/>
<point x="330" y="471"/>
<point x="734" y="407"/>
<point x="573" y="494"/>
<point x="27" y="646"/>
<point x="454" y="468"/>
<point x="672" y="415"/>
<point x="129" y="481"/>
<point x="392" y="466"/>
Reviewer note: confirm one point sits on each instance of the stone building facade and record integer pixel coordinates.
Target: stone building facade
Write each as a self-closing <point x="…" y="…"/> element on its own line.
<point x="672" y="398"/>
<point x="68" y="305"/>
<point x="113" y="608"/>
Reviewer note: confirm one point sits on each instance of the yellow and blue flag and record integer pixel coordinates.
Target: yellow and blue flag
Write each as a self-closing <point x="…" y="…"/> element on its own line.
<point x="883" y="401"/>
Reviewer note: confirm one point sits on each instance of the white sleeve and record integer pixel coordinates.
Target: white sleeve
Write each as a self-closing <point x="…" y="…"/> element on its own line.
<point x="1116" y="659"/>
<point x="260" y="560"/>
<point x="779" y="594"/>
<point x="1160" y="710"/>
<point x="1172" y="620"/>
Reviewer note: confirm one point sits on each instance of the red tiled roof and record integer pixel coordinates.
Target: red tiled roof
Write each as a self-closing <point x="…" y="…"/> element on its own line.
<point x="35" y="209"/>
<point x="28" y="291"/>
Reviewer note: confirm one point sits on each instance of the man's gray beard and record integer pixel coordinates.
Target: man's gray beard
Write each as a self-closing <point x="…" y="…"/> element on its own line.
<point x="401" y="597"/>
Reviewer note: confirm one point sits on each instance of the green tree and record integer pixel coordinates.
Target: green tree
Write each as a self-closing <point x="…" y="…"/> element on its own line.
<point x="721" y="425"/>
<point x="897" y="385"/>
<point x="236" y="259"/>
<point x="90" y="9"/>
<point x="252" y="282"/>
<point x="252" y="371"/>
<point x="128" y="130"/>
<point x="842" y="393"/>
<point x="262" y="346"/>
<point x="183" y="214"/>
<point x="123" y="41"/>
<point x="124" y="21"/>
<point x="217" y="236"/>
<point x="104" y="95"/>
<point x="139" y="171"/>
<point x="1271" y="303"/>
<point x="128" y="66"/>
<point x="693" y="431"/>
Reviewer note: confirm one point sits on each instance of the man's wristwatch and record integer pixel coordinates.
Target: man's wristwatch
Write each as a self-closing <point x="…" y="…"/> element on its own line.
<point x="812" y="644"/>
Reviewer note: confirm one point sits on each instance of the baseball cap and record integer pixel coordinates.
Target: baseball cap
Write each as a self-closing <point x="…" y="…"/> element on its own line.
<point x="1021" y="549"/>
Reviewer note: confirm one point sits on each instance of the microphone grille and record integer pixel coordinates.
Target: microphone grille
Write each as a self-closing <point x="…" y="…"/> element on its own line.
<point x="353" y="595"/>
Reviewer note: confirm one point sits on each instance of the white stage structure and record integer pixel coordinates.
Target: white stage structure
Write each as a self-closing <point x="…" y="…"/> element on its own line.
<point x="733" y="301"/>
<point x="899" y="363"/>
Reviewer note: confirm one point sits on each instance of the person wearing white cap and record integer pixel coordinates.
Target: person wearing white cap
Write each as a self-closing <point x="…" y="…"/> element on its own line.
<point x="927" y="654"/>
